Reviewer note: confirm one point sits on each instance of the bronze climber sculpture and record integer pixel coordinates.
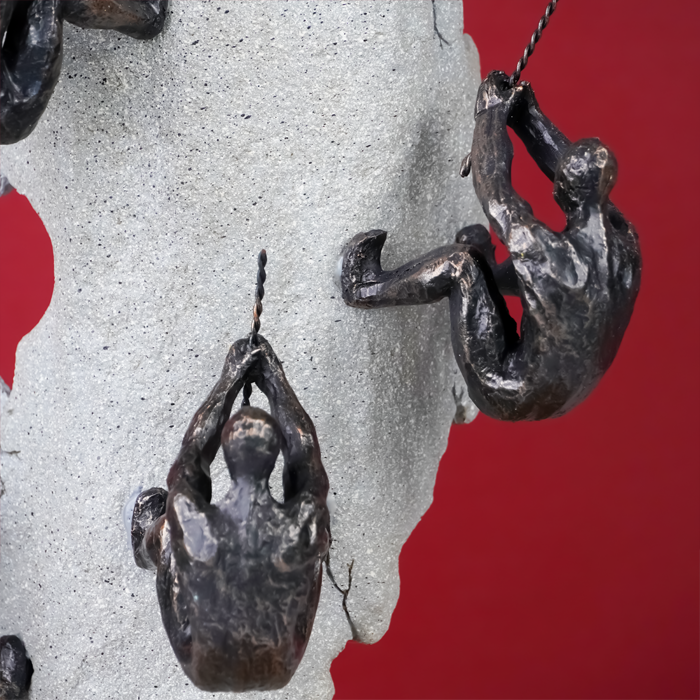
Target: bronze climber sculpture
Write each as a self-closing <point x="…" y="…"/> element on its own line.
<point x="577" y="287"/>
<point x="239" y="582"/>
<point x="31" y="37"/>
<point x="15" y="669"/>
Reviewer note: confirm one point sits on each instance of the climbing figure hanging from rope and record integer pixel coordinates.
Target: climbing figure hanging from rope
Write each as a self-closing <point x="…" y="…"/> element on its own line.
<point x="577" y="287"/>
<point x="239" y="581"/>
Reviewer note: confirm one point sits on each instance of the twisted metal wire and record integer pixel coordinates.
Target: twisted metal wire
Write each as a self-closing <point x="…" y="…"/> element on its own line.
<point x="259" y="294"/>
<point x="257" y="311"/>
<point x="530" y="48"/>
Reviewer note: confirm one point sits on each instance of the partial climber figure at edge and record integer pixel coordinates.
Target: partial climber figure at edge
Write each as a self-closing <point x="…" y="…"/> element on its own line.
<point x="31" y="49"/>
<point x="16" y="669"/>
<point x="577" y="287"/>
<point x="239" y="582"/>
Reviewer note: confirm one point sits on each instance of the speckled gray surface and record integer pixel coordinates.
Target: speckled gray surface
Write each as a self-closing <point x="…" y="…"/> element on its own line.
<point x="160" y="169"/>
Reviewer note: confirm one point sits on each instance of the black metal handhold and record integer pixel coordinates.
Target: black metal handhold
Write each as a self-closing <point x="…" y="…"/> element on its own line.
<point x="15" y="669"/>
<point x="31" y="36"/>
<point x="577" y="287"/>
<point x="239" y="582"/>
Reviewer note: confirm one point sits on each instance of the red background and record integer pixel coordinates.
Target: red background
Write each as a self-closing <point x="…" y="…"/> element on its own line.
<point x="559" y="559"/>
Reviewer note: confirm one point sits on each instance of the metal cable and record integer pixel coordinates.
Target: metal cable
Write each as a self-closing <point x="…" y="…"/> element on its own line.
<point x="530" y="48"/>
<point x="257" y="311"/>
<point x="259" y="294"/>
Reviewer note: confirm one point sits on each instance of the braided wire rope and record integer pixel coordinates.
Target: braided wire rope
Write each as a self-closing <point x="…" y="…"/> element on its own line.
<point x="257" y="311"/>
<point x="259" y="294"/>
<point x="466" y="165"/>
<point x="530" y="48"/>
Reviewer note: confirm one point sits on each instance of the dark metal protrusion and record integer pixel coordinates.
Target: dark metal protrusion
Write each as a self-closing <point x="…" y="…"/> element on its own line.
<point x="466" y="167"/>
<point x="16" y="668"/>
<point x="530" y="48"/>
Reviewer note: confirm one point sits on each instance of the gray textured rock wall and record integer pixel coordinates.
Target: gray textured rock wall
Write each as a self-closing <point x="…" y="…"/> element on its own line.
<point x="160" y="169"/>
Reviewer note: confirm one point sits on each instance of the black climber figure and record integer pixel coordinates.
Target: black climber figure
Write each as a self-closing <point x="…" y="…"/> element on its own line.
<point x="577" y="287"/>
<point x="239" y="582"/>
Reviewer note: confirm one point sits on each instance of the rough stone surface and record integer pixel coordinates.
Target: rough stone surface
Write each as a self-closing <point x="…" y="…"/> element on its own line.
<point x="160" y="169"/>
